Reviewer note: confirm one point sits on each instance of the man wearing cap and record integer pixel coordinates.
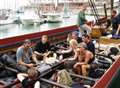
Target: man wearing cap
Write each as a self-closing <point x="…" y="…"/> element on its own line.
<point x="24" y="54"/>
<point x="84" y="58"/>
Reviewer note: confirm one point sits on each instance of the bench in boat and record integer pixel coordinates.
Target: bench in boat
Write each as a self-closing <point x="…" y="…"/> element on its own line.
<point x="105" y="40"/>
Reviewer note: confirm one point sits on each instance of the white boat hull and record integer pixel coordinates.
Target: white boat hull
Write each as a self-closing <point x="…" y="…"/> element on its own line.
<point x="31" y="21"/>
<point x="53" y="17"/>
<point x="6" y="22"/>
<point x="27" y="21"/>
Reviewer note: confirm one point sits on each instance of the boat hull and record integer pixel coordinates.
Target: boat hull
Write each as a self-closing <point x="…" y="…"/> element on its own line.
<point x="6" y="22"/>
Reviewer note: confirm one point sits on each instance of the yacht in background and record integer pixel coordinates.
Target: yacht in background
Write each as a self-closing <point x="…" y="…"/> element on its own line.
<point x="6" y="17"/>
<point x="29" y="17"/>
<point x="53" y="17"/>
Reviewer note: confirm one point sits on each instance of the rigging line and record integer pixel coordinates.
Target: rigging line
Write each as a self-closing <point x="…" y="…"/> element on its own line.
<point x="96" y="14"/>
<point x="93" y="11"/>
<point x="97" y="18"/>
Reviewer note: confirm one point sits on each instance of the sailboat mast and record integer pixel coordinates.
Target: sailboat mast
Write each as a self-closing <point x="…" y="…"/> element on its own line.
<point x="105" y="10"/>
<point x="112" y="5"/>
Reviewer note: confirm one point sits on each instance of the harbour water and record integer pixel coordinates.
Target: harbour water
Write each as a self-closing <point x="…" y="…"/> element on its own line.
<point x="12" y="30"/>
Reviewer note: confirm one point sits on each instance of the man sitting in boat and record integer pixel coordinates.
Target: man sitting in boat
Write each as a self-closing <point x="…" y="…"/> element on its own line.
<point x="29" y="80"/>
<point x="42" y="47"/>
<point x="84" y="58"/>
<point x="115" y="23"/>
<point x="89" y="43"/>
<point x="24" y="54"/>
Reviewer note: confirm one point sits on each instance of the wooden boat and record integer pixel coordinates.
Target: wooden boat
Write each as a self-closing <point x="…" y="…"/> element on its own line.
<point x="57" y="35"/>
<point x="104" y="81"/>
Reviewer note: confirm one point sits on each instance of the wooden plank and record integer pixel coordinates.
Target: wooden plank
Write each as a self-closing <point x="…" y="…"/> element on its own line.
<point x="104" y="40"/>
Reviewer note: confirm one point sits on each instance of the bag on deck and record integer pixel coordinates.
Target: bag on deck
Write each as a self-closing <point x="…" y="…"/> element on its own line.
<point x="64" y="78"/>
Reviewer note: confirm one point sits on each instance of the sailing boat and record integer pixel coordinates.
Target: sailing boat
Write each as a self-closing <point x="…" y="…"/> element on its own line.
<point x="100" y="6"/>
<point x="5" y="17"/>
<point x="29" y="18"/>
<point x="31" y="15"/>
<point x="6" y="12"/>
<point x="54" y="16"/>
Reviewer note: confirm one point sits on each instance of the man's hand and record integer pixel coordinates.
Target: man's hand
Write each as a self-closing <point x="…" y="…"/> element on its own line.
<point x="30" y="65"/>
<point x="77" y="64"/>
<point x="47" y="53"/>
<point x="64" y="60"/>
<point x="117" y="32"/>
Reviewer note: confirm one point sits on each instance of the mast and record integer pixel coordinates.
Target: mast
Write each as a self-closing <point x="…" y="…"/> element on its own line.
<point x="105" y="10"/>
<point x="119" y="6"/>
<point x="112" y="5"/>
<point x="66" y="7"/>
